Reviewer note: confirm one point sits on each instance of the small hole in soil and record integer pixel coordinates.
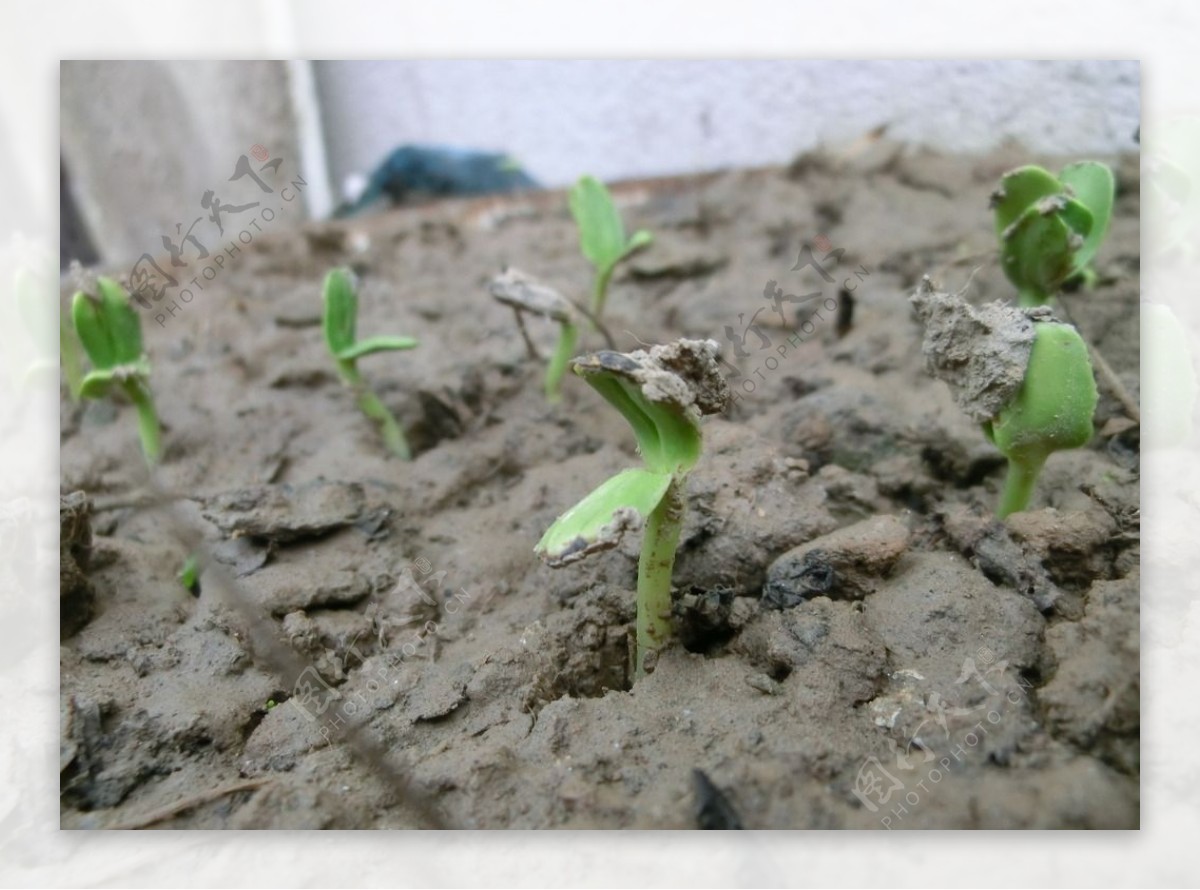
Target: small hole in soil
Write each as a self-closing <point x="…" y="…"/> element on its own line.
<point x="910" y="499"/>
<point x="587" y="671"/>
<point x="1031" y="678"/>
<point x="703" y="618"/>
<point x="260" y="714"/>
<point x="829" y="214"/>
<point x="590" y="653"/>
<point x="779" y="672"/>
<point x="1125" y="448"/>
<point x="948" y="465"/>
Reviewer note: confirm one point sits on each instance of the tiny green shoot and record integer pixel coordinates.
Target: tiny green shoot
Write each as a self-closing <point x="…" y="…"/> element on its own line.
<point x="189" y="575"/>
<point x="1050" y="228"/>
<point x="662" y="394"/>
<point x="341" y="323"/>
<point x="602" y="235"/>
<point x="111" y="334"/>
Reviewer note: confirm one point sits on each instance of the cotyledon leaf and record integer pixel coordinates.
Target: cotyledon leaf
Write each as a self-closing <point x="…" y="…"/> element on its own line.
<point x="341" y="310"/>
<point x="1038" y="250"/>
<point x="1093" y="186"/>
<point x="107" y="326"/>
<point x="1057" y="401"/>
<point x="123" y="321"/>
<point x="601" y="232"/>
<point x="1019" y="190"/>
<point x="372" y="345"/>
<point x="597" y="522"/>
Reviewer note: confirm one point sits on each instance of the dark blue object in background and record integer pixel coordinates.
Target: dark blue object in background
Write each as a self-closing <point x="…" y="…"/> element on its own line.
<point x="414" y="171"/>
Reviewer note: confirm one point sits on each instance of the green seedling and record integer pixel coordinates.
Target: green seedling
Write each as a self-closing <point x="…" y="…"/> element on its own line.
<point x="1050" y="228"/>
<point x="602" y="235"/>
<point x="1024" y="376"/>
<point x="189" y="575"/>
<point x="111" y="334"/>
<point x="662" y="394"/>
<point x="603" y="242"/>
<point x="341" y="323"/>
<point x="523" y="294"/>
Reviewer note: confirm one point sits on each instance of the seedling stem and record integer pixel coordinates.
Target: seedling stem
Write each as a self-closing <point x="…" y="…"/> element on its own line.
<point x="659" y="542"/>
<point x="148" y="428"/>
<point x="567" y="338"/>
<point x="1019" y="484"/>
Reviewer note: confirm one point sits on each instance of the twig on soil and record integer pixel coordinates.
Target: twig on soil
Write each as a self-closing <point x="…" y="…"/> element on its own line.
<point x="181" y="806"/>
<point x="530" y="349"/>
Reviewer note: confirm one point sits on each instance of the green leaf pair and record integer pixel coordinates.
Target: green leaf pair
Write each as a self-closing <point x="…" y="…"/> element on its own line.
<point x="1050" y="228"/>
<point x="662" y="394"/>
<point x="602" y="234"/>
<point x="111" y="333"/>
<point x="340" y="324"/>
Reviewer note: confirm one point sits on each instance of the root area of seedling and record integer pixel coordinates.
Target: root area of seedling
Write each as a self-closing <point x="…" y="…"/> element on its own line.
<point x="846" y="608"/>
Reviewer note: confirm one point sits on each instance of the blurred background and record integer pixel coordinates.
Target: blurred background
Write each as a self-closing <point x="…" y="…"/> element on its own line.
<point x="142" y="141"/>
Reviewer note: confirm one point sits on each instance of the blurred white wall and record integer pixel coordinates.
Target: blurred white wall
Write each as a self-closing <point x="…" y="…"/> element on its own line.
<point x="620" y="119"/>
<point x="142" y="141"/>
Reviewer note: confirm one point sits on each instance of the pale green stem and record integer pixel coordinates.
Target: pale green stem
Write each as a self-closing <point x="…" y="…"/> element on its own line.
<point x="1028" y="299"/>
<point x="600" y="290"/>
<point x="148" y="428"/>
<point x="563" y="353"/>
<point x="660" y="539"/>
<point x="393" y="436"/>
<point x="370" y="405"/>
<point x="1018" y="485"/>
